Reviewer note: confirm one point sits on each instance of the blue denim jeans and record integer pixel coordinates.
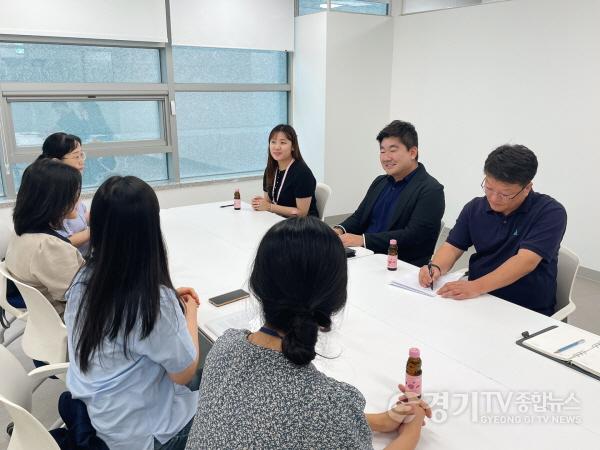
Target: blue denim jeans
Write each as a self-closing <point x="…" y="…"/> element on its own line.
<point x="179" y="441"/>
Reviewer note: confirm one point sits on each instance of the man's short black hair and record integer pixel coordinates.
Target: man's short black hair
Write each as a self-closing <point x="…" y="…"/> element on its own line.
<point x="404" y="131"/>
<point x="511" y="164"/>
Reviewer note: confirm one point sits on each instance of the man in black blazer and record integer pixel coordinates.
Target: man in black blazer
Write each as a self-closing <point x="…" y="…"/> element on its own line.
<point x="407" y="204"/>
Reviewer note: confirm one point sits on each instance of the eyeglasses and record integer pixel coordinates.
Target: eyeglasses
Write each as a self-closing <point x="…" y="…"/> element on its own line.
<point x="80" y="156"/>
<point x="499" y="196"/>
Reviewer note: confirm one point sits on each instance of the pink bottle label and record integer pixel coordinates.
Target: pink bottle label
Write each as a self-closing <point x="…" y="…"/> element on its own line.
<point x="237" y="203"/>
<point x="413" y="383"/>
<point x="392" y="262"/>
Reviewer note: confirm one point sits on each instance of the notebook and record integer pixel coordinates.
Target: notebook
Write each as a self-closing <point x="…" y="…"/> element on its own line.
<point x="409" y="280"/>
<point x="239" y="320"/>
<point x="585" y="355"/>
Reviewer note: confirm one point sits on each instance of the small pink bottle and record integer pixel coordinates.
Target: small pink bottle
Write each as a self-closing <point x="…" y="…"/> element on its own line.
<point x="237" y="201"/>
<point x="414" y="374"/>
<point x="392" y="259"/>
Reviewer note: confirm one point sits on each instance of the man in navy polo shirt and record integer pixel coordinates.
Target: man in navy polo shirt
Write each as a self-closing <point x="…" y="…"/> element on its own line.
<point x="516" y="233"/>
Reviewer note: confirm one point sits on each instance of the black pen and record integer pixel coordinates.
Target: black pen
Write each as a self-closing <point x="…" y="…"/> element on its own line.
<point x="430" y="274"/>
<point x="225" y="206"/>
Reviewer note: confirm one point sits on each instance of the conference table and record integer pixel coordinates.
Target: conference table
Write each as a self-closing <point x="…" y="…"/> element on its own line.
<point x="485" y="391"/>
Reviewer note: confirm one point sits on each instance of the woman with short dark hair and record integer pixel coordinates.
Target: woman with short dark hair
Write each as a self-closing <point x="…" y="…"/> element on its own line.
<point x="67" y="148"/>
<point x="38" y="255"/>
<point x="133" y="338"/>
<point x="260" y="390"/>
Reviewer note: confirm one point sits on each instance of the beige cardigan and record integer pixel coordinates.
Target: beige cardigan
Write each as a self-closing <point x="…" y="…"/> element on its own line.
<point x="44" y="262"/>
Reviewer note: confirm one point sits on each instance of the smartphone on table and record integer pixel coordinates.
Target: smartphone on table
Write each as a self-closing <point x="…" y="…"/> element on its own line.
<point x="229" y="297"/>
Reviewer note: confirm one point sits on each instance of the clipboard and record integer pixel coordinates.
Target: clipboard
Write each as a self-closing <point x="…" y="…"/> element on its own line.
<point x="526" y="336"/>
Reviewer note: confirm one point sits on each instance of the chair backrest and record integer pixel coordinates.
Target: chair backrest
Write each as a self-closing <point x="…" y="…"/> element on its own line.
<point x="322" y="192"/>
<point x="6" y="232"/>
<point x="19" y="314"/>
<point x="568" y="263"/>
<point x="28" y="433"/>
<point x="45" y="336"/>
<point x="16" y="386"/>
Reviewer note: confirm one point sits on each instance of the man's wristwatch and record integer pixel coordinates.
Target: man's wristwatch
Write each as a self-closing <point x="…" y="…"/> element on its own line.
<point x="340" y="228"/>
<point x="430" y="264"/>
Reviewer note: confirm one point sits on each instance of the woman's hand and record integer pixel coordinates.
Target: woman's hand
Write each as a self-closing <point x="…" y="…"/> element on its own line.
<point x="412" y="399"/>
<point x="261" y="204"/>
<point x="189" y="298"/>
<point x="409" y="408"/>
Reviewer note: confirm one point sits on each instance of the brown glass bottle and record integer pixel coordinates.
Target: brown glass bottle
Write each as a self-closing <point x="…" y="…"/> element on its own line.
<point x="392" y="259"/>
<point x="237" y="200"/>
<point x="414" y="373"/>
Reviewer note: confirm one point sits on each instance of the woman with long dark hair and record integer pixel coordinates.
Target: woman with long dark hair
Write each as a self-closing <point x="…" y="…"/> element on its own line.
<point x="133" y="338"/>
<point x="260" y="390"/>
<point x="288" y="183"/>
<point x="38" y="255"/>
<point x="67" y="148"/>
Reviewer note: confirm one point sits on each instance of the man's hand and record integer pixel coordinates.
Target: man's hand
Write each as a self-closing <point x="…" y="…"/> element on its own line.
<point x="351" y="240"/>
<point x="339" y="231"/>
<point x="427" y="280"/>
<point x="460" y="290"/>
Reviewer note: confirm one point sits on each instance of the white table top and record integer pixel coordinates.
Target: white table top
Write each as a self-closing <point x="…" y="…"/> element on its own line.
<point x="470" y="358"/>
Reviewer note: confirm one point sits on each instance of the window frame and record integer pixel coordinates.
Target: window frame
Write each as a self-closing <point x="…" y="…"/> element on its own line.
<point x="164" y="92"/>
<point x="334" y="9"/>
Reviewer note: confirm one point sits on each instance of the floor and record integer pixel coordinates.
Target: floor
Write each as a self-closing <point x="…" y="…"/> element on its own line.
<point x="586" y="295"/>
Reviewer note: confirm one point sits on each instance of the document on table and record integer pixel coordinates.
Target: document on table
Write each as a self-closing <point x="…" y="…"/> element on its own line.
<point x="239" y="320"/>
<point x="409" y="280"/>
<point x="583" y="351"/>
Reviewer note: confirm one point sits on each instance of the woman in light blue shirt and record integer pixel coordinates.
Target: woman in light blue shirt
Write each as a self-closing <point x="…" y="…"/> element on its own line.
<point x="133" y="338"/>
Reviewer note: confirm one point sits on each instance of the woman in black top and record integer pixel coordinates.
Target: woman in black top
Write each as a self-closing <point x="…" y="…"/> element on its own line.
<point x="288" y="183"/>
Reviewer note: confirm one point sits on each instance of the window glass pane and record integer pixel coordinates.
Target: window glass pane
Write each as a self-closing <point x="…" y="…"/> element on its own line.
<point x="51" y="63"/>
<point x="226" y="65"/>
<point x="92" y="121"/>
<point x="311" y="6"/>
<point x="150" y="167"/>
<point x="415" y="6"/>
<point x="226" y="132"/>
<point x="353" y="6"/>
<point x="362" y="7"/>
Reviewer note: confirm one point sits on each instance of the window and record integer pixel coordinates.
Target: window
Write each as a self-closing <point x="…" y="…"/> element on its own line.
<point x="111" y="97"/>
<point x="223" y="122"/>
<point x="97" y="123"/>
<point x="92" y="121"/>
<point x="228" y="65"/>
<point x="417" y="6"/>
<point x="53" y="63"/>
<point x="148" y="167"/>
<point x="125" y="103"/>
<point x="226" y="132"/>
<point x="376" y="7"/>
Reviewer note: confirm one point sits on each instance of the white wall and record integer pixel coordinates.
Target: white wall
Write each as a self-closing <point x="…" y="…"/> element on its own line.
<point x="256" y="24"/>
<point x="134" y="20"/>
<point x="342" y="83"/>
<point x="523" y="71"/>
<point x="213" y="192"/>
<point x="308" y="96"/>
<point x="359" y="49"/>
